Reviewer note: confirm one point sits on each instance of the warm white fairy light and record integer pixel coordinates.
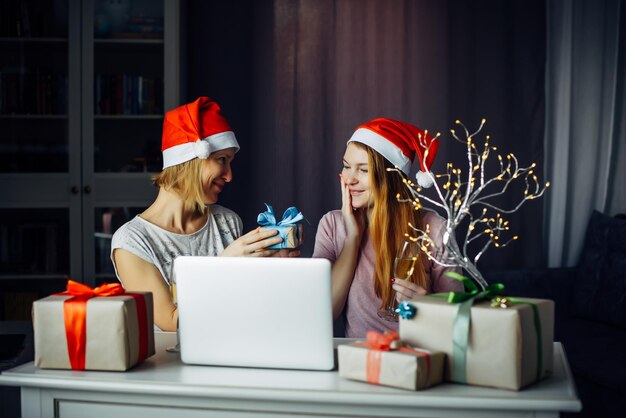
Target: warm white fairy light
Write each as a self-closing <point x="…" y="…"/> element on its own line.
<point x="459" y="192"/>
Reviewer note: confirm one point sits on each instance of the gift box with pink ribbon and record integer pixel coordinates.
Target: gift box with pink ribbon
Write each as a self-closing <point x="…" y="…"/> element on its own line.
<point x="105" y="328"/>
<point x="385" y="360"/>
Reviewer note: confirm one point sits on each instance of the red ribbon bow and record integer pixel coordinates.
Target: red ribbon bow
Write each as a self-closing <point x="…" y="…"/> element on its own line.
<point x="382" y="342"/>
<point x="379" y="342"/>
<point x="75" y="317"/>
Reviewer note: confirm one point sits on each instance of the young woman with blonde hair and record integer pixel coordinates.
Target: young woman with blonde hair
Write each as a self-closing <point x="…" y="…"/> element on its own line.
<point x="198" y="149"/>
<point x="363" y="238"/>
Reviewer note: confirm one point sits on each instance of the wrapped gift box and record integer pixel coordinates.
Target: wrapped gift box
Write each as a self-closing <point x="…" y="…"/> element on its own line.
<point x="289" y="228"/>
<point x="404" y="367"/>
<point x="504" y="349"/>
<point x="291" y="234"/>
<point x="115" y="338"/>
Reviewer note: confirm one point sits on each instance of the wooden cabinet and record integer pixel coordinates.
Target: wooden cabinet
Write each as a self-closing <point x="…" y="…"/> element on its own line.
<point x="83" y="89"/>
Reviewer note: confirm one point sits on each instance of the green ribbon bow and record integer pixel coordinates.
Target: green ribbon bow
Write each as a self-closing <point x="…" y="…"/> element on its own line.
<point x="461" y="324"/>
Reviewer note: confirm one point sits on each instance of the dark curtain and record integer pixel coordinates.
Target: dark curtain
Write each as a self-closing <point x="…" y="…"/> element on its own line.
<point x="296" y="77"/>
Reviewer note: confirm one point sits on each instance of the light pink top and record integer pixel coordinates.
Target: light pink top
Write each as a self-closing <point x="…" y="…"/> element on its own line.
<point x="362" y="303"/>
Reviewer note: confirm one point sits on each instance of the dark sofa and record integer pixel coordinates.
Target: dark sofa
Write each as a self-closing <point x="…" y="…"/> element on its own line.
<point x="590" y="317"/>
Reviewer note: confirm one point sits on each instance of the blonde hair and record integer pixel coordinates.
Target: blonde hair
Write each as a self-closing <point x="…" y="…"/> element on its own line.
<point x="389" y="223"/>
<point x="185" y="180"/>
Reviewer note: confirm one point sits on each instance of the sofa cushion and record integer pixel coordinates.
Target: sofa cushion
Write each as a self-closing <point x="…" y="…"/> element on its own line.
<point x="595" y="351"/>
<point x="600" y="288"/>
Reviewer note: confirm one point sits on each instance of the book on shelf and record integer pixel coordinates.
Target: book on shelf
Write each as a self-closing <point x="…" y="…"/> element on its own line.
<point x="35" y="93"/>
<point x="126" y="94"/>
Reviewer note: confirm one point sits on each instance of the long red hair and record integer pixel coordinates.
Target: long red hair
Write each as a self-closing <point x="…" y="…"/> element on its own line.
<point x="389" y="222"/>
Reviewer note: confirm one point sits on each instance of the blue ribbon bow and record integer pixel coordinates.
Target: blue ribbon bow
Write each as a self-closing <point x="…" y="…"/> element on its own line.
<point x="290" y="218"/>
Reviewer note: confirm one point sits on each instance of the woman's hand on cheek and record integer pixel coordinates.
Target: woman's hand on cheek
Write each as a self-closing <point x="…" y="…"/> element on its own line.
<point x="354" y="218"/>
<point x="254" y="243"/>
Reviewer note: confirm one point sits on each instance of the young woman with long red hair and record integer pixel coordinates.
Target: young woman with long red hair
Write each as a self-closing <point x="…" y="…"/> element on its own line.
<point x="364" y="237"/>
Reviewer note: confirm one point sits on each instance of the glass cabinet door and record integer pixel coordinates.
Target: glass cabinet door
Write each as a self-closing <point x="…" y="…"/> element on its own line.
<point x="33" y="86"/>
<point x="37" y="169"/>
<point x="34" y="59"/>
<point x="126" y="47"/>
<point x="84" y="85"/>
<point x="40" y="188"/>
<point x="128" y="56"/>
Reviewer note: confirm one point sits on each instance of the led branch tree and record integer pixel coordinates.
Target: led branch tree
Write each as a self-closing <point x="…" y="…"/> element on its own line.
<point x="460" y="192"/>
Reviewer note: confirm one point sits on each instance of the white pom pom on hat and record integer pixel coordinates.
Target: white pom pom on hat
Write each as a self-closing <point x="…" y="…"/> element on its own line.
<point x="424" y="180"/>
<point x="202" y="149"/>
<point x="195" y="130"/>
<point x="400" y="143"/>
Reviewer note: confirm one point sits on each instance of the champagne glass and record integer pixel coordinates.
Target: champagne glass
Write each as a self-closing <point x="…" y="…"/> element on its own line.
<point x="403" y="267"/>
<point x="173" y="294"/>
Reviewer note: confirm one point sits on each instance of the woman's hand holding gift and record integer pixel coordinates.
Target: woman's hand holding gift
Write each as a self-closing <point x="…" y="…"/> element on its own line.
<point x="291" y="252"/>
<point x="254" y="243"/>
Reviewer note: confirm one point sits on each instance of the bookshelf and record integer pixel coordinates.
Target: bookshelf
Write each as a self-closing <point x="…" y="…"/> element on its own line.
<point x="84" y="85"/>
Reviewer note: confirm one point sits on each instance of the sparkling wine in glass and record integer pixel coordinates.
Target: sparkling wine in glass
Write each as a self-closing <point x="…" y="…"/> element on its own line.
<point x="403" y="267"/>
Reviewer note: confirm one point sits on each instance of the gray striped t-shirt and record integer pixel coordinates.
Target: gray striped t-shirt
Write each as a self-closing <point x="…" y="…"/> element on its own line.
<point x="160" y="247"/>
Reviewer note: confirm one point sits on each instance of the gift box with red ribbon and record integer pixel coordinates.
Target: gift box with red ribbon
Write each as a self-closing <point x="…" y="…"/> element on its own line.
<point x="385" y="360"/>
<point x="105" y="328"/>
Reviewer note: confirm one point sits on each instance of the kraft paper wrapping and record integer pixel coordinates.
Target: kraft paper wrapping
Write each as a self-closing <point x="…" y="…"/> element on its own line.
<point x="291" y="235"/>
<point x="112" y="332"/>
<point x="397" y="369"/>
<point x="289" y="227"/>
<point x="502" y="347"/>
<point x="292" y="238"/>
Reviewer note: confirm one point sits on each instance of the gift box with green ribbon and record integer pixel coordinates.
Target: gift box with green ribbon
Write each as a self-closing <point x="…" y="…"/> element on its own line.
<point x="105" y="328"/>
<point x="385" y="360"/>
<point x="490" y="339"/>
<point x="289" y="228"/>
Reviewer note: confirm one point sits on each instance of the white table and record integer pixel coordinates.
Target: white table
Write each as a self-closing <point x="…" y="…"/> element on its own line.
<point x="164" y="387"/>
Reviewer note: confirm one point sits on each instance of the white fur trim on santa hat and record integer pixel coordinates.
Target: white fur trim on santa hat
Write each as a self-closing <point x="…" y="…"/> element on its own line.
<point x="202" y="148"/>
<point x="383" y="146"/>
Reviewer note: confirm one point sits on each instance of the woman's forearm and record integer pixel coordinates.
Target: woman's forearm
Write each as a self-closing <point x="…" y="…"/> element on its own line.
<point x="343" y="273"/>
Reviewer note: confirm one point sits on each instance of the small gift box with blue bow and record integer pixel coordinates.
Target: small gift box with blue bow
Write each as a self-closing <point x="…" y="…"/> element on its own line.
<point x="385" y="360"/>
<point x="289" y="228"/>
<point x="489" y="339"/>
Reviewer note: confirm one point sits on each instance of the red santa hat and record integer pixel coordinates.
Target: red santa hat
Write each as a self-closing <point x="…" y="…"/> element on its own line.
<point x="399" y="143"/>
<point x="195" y="130"/>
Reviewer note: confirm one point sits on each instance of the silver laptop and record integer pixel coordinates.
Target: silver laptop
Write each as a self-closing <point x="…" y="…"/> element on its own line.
<point x="255" y="312"/>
